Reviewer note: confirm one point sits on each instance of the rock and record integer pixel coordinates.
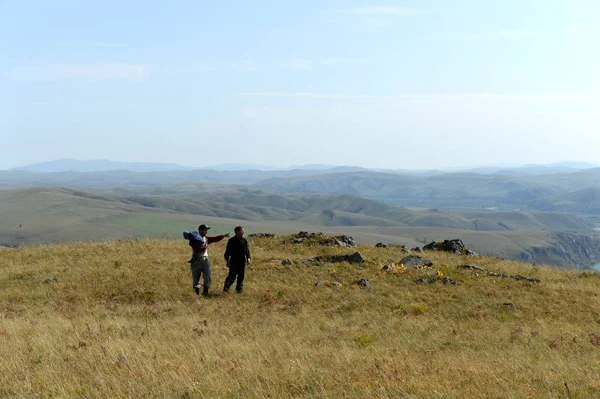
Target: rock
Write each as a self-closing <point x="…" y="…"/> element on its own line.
<point x="430" y="247"/>
<point x="515" y="277"/>
<point x="448" y="280"/>
<point x="509" y="305"/>
<point x="352" y="258"/>
<point x="286" y="262"/>
<point x="51" y="279"/>
<point x="387" y="267"/>
<point x="345" y="240"/>
<point x="363" y="282"/>
<point x="472" y="267"/>
<point x="455" y="246"/>
<point x="356" y="258"/>
<point x="336" y="284"/>
<point x="425" y="280"/>
<point x="380" y="245"/>
<point x="340" y="243"/>
<point x="318" y="239"/>
<point x="262" y="235"/>
<point x="318" y="284"/>
<point x="415" y="261"/>
<point x="415" y="249"/>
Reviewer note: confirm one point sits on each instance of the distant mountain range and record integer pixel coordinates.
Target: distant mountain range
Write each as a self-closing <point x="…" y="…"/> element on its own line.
<point x="99" y="165"/>
<point x="104" y="165"/>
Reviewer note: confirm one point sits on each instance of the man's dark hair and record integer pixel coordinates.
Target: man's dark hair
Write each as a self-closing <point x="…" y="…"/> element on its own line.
<point x="237" y="228"/>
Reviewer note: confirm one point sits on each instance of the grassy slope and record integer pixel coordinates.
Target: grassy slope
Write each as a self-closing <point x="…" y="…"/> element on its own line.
<point x="118" y="320"/>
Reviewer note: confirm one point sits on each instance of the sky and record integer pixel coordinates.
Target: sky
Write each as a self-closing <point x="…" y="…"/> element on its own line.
<point x="381" y="84"/>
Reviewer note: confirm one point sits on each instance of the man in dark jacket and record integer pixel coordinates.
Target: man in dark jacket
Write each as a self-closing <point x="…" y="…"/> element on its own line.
<point x="199" y="263"/>
<point x="237" y="256"/>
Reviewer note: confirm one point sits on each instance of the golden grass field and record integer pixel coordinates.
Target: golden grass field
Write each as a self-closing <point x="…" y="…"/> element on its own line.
<point x="119" y="320"/>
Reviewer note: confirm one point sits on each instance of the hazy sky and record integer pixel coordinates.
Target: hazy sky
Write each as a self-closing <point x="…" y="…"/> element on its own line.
<point x="390" y="84"/>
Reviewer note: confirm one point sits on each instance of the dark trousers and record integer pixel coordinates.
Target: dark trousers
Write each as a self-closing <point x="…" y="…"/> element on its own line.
<point x="236" y="270"/>
<point x="200" y="267"/>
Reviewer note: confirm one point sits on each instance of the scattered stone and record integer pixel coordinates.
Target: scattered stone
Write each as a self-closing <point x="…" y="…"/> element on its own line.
<point x="51" y="279"/>
<point x="509" y="305"/>
<point x="355" y="258"/>
<point x="364" y="283"/>
<point x="336" y="284"/>
<point x="455" y="246"/>
<point x="432" y="280"/>
<point x="381" y="245"/>
<point x="415" y="261"/>
<point x="318" y="239"/>
<point x="514" y="276"/>
<point x="344" y="241"/>
<point x="425" y="280"/>
<point x="472" y="267"/>
<point x="318" y="284"/>
<point x="352" y="258"/>
<point x="286" y="262"/>
<point x="416" y="249"/>
<point x="262" y="235"/>
<point x="500" y="275"/>
<point x="387" y="267"/>
<point x="447" y="280"/>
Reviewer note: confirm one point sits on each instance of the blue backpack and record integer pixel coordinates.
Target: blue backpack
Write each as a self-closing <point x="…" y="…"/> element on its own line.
<point x="195" y="239"/>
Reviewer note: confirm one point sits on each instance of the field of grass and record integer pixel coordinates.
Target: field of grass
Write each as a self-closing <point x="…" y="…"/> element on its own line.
<point x="118" y="319"/>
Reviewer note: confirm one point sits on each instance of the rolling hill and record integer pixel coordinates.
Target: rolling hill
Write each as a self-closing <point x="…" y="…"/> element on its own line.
<point x="59" y="214"/>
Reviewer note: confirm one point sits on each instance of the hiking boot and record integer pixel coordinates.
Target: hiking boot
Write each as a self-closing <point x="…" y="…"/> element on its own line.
<point x="205" y="292"/>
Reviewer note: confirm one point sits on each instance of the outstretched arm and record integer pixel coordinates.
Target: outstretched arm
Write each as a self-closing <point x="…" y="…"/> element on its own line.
<point x="212" y="239"/>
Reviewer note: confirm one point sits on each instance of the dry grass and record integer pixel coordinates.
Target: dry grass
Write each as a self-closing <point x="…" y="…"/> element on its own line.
<point x="119" y="320"/>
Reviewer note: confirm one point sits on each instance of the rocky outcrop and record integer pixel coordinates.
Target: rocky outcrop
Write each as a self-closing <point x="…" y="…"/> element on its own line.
<point x="455" y="246"/>
<point x="569" y="250"/>
<point x="319" y="239"/>
<point x="415" y="261"/>
<point x="262" y="235"/>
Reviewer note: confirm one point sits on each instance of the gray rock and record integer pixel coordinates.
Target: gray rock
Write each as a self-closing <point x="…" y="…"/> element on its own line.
<point x="425" y="280"/>
<point x="356" y="258"/>
<point x="472" y="267"/>
<point x="415" y="261"/>
<point x="352" y="258"/>
<point x="389" y="266"/>
<point x="363" y="282"/>
<point x="380" y="245"/>
<point x="262" y="235"/>
<point x="448" y="281"/>
<point x="286" y="262"/>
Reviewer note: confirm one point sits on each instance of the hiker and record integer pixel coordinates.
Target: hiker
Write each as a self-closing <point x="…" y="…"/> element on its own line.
<point x="237" y="256"/>
<point x="199" y="263"/>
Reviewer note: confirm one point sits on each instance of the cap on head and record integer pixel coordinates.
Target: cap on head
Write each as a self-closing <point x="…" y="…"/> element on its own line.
<point x="203" y="227"/>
